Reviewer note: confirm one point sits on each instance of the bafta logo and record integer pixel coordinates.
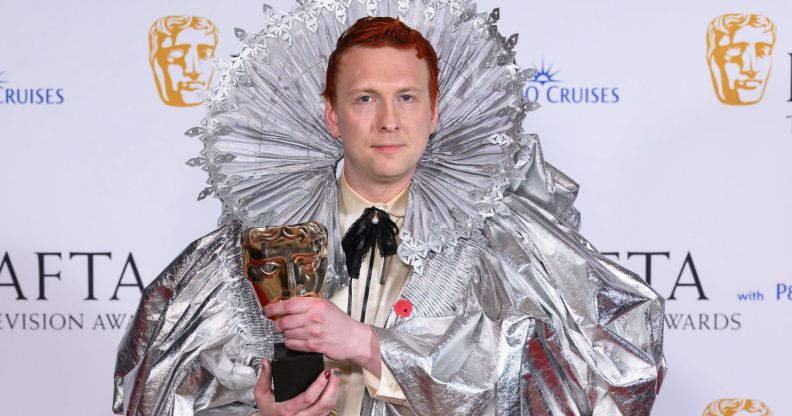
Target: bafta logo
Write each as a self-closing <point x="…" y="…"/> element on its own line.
<point x="737" y="407"/>
<point x="739" y="54"/>
<point x="181" y="49"/>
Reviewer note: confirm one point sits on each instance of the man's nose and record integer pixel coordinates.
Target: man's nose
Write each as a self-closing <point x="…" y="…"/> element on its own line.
<point x="389" y="119"/>
<point x="749" y="63"/>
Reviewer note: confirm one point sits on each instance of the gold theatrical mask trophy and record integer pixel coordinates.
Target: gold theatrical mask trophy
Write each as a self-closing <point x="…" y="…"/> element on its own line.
<point x="284" y="262"/>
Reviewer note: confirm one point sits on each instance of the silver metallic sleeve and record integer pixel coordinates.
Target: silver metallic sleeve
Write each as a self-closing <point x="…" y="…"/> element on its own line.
<point x="196" y="339"/>
<point x="545" y="326"/>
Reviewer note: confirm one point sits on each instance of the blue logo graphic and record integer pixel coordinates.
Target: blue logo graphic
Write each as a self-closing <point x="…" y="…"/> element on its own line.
<point x="37" y="96"/>
<point x="543" y="88"/>
<point x="545" y="74"/>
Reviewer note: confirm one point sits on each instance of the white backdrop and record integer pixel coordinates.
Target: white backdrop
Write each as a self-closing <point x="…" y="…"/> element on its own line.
<point x="666" y="168"/>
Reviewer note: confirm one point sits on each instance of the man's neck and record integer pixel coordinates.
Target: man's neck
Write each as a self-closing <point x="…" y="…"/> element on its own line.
<point x="377" y="192"/>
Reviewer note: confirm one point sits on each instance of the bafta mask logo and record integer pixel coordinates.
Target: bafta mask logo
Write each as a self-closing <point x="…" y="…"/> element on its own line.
<point x="737" y="407"/>
<point x="739" y="54"/>
<point x="181" y="49"/>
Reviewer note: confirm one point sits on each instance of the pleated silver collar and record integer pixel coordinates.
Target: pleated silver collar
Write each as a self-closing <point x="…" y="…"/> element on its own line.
<point x="270" y="159"/>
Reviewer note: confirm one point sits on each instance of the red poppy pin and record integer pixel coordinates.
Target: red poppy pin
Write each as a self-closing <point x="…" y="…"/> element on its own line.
<point x="403" y="308"/>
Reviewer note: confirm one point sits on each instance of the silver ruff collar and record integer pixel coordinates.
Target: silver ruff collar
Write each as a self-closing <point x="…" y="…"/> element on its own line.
<point x="271" y="160"/>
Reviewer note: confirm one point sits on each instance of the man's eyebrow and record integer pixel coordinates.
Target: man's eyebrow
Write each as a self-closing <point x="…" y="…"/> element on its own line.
<point x="410" y="88"/>
<point x="359" y="90"/>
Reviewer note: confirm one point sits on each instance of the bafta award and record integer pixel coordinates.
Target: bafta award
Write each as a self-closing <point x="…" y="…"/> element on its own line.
<point x="283" y="262"/>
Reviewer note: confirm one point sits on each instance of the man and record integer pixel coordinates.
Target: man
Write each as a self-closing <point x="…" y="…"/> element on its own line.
<point x="494" y="305"/>
<point x="381" y="101"/>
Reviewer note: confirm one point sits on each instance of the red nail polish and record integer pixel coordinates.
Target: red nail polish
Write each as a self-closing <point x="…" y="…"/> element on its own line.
<point x="327" y="374"/>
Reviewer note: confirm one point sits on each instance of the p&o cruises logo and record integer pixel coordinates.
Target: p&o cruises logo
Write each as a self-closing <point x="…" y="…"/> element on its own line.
<point x="28" y="95"/>
<point x="547" y="87"/>
<point x="181" y="49"/>
<point x="740" y="56"/>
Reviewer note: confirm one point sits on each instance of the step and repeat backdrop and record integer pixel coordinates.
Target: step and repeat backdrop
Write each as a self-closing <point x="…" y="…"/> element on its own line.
<point x="675" y="117"/>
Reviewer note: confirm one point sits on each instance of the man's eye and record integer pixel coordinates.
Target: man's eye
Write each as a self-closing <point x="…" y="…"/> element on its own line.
<point x="407" y="98"/>
<point x="365" y="99"/>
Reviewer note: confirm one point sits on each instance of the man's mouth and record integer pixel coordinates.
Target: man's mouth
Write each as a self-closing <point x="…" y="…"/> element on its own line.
<point x="387" y="148"/>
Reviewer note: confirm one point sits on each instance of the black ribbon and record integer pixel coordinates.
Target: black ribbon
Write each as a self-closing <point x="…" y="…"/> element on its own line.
<point x="372" y="230"/>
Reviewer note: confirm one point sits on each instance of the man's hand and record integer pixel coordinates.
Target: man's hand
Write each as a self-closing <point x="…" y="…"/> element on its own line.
<point x="317" y="400"/>
<point x="317" y="325"/>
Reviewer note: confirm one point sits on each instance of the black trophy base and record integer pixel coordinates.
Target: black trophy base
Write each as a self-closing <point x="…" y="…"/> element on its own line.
<point x="294" y="371"/>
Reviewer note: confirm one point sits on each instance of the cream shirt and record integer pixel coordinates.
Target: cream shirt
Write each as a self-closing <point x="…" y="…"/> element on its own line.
<point x="380" y="301"/>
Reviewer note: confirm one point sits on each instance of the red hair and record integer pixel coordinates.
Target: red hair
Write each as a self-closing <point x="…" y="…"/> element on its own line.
<point x="378" y="32"/>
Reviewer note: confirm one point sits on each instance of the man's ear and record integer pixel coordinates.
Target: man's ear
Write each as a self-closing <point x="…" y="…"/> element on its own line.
<point x="435" y="116"/>
<point x="331" y="119"/>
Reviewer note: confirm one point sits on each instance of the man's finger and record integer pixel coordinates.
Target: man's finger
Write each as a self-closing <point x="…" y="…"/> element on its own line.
<point x="264" y="382"/>
<point x="288" y="307"/>
<point x="289" y="322"/>
<point x="304" y="333"/>
<point x="265" y="399"/>
<point x="297" y="345"/>
<point x="329" y="397"/>
<point x="307" y="398"/>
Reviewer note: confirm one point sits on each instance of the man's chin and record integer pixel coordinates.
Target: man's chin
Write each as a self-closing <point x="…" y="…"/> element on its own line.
<point x="390" y="177"/>
<point x="385" y="175"/>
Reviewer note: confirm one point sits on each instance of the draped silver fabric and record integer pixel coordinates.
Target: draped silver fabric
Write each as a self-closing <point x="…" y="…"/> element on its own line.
<point x="545" y="325"/>
<point x="514" y="312"/>
<point x="197" y="336"/>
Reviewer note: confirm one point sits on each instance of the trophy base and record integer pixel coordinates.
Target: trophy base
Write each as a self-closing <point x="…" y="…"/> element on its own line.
<point x="294" y="371"/>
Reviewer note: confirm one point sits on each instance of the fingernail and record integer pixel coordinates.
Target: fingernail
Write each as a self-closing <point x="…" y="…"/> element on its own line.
<point x="327" y="374"/>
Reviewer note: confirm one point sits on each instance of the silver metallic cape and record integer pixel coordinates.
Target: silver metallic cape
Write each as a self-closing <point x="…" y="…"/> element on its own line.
<point x="513" y="311"/>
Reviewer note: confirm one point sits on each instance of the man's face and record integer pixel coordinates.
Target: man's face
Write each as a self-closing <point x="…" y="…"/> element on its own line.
<point x="186" y="63"/>
<point x="744" y="60"/>
<point x="382" y="112"/>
